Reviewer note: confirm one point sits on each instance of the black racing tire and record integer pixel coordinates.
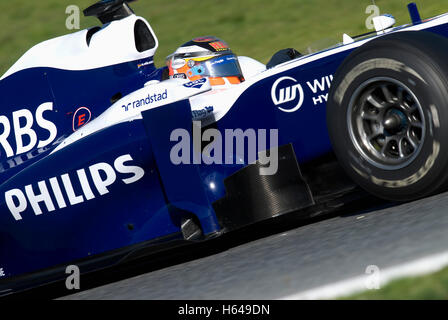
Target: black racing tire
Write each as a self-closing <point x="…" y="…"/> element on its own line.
<point x="387" y="115"/>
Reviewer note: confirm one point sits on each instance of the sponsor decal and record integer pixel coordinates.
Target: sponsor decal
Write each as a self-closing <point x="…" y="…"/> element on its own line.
<point x="196" y="71"/>
<point x="223" y="60"/>
<point x="202" y="113"/>
<point x="178" y="63"/>
<point x="219" y="61"/>
<point x="219" y="46"/>
<point x="40" y="196"/>
<point x="289" y="95"/>
<point x="196" y="84"/>
<point x="179" y="76"/>
<point x="320" y="88"/>
<point x="2" y="273"/>
<point x="150" y="99"/>
<point x="22" y="128"/>
<point x="147" y="63"/>
<point x="81" y="117"/>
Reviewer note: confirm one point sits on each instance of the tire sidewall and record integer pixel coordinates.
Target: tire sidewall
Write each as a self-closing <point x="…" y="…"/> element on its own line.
<point x="423" y="77"/>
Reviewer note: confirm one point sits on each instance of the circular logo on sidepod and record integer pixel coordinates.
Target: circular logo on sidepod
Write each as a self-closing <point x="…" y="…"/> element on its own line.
<point x="287" y="95"/>
<point x="81" y="117"/>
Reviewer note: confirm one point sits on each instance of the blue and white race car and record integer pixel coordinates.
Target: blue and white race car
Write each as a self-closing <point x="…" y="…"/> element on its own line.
<point x="102" y="154"/>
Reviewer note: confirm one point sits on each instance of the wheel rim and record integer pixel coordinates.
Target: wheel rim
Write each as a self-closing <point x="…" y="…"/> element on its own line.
<point x="386" y="123"/>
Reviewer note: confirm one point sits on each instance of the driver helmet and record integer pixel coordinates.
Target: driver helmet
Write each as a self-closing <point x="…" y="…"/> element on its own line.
<point x="205" y="57"/>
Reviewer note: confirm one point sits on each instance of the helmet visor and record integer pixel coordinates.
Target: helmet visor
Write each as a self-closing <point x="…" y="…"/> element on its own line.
<point x="221" y="66"/>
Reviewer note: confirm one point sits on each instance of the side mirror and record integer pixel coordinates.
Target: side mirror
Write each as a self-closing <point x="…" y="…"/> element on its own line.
<point x="383" y="22"/>
<point x="346" y="39"/>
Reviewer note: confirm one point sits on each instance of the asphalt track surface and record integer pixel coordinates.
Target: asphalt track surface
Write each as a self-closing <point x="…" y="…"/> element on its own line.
<point x="283" y="259"/>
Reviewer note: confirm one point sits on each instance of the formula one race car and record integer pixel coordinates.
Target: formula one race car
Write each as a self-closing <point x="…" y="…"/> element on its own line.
<point x="102" y="154"/>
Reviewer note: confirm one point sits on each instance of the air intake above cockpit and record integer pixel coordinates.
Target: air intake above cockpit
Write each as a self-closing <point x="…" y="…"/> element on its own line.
<point x="109" y="10"/>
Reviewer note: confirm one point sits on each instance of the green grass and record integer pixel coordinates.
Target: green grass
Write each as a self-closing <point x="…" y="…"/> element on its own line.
<point x="255" y="28"/>
<point x="429" y="287"/>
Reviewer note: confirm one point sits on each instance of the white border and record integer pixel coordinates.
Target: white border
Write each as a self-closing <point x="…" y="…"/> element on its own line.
<point x="354" y="285"/>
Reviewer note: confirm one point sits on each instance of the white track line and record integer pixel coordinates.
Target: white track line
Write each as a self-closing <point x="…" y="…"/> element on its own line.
<point x="417" y="267"/>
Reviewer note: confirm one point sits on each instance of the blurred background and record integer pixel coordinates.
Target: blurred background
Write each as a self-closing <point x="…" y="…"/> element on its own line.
<point x="255" y="28"/>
